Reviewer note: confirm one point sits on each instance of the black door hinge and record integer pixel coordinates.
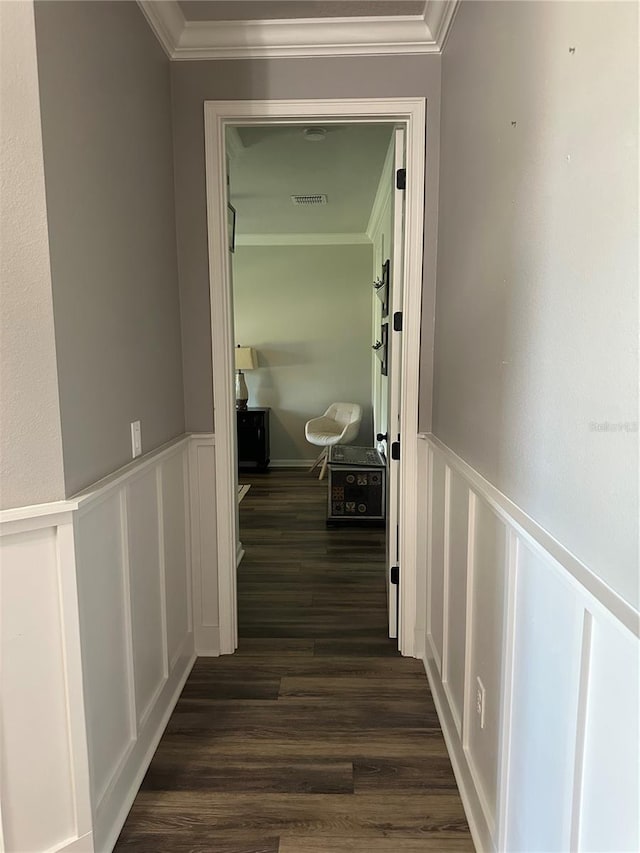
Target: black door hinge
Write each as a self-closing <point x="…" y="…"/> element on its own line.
<point x="395" y="450"/>
<point x="401" y="179"/>
<point x="397" y="321"/>
<point x="394" y="575"/>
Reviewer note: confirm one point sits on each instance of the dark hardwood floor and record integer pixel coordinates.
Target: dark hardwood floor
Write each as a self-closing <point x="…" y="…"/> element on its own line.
<point x="316" y="736"/>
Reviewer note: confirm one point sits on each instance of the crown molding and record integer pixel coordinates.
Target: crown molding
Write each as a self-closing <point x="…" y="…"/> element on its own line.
<point x="167" y="22"/>
<point x="303" y="240"/>
<point x="304" y="37"/>
<point x="439" y="16"/>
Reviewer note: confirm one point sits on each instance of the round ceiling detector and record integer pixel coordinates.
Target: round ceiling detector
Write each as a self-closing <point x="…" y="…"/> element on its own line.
<point x="314" y="134"/>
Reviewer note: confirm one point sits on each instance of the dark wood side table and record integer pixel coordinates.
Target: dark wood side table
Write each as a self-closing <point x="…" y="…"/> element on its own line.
<point x="253" y="438"/>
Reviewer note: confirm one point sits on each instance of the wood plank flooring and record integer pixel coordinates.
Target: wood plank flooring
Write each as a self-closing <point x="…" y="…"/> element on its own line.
<point x="316" y="736"/>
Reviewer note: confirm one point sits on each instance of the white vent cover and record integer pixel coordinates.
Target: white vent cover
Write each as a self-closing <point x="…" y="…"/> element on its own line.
<point x="306" y="200"/>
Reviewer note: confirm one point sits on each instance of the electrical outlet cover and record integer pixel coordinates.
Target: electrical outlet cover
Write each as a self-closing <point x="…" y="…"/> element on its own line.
<point x="136" y="439"/>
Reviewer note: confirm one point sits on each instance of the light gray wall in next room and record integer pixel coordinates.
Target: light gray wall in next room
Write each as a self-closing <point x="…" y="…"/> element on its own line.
<point x="307" y="312"/>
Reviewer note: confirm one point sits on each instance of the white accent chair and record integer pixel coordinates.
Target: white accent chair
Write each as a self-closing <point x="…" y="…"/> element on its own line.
<point x="340" y="424"/>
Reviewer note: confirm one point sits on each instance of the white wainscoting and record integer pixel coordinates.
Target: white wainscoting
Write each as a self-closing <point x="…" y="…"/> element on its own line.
<point x="102" y="597"/>
<point x="555" y="767"/>
<point x="136" y="628"/>
<point x="44" y="771"/>
<point x="204" y="555"/>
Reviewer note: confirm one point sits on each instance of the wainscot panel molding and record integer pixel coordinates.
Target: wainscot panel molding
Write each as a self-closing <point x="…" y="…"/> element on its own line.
<point x="104" y="597"/>
<point x="206" y="594"/>
<point x="44" y="780"/>
<point x="534" y="664"/>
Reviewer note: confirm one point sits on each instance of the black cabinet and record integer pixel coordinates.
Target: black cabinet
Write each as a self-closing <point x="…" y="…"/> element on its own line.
<point x="253" y="438"/>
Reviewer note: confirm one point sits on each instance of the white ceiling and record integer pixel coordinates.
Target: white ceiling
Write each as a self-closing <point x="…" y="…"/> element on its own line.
<point x="277" y="162"/>
<point x="248" y="10"/>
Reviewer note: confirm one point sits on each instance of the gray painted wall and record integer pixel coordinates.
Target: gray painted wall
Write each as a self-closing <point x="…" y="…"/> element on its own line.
<point x="30" y="437"/>
<point x="106" y="124"/>
<point x="307" y="312"/>
<point x="342" y="77"/>
<point x="537" y="303"/>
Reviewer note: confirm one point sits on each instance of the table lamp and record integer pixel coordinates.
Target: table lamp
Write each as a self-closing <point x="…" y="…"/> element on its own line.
<point x="245" y="360"/>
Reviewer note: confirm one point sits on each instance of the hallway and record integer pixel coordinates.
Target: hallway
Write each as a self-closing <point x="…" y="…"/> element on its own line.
<point x="519" y="432"/>
<point x="316" y="736"/>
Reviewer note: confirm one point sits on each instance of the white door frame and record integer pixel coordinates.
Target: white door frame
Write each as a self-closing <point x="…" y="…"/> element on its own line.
<point x="217" y="116"/>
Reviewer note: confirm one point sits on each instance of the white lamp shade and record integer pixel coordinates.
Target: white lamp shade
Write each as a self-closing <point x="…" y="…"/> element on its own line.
<point x="245" y="358"/>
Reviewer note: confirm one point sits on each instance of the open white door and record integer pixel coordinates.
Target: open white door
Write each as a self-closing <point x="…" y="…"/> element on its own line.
<point x="394" y="337"/>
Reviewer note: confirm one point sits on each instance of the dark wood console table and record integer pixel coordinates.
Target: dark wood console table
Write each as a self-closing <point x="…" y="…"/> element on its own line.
<point x="253" y="438"/>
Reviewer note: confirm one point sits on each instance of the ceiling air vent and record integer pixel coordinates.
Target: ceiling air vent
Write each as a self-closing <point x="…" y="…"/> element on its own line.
<point x="307" y="200"/>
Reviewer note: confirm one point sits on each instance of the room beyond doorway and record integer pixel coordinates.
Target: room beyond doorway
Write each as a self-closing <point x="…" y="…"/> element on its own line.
<point x="311" y="218"/>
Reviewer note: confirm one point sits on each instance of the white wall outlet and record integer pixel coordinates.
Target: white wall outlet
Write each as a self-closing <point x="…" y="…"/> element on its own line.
<point x="136" y="439"/>
<point x="480" y="701"/>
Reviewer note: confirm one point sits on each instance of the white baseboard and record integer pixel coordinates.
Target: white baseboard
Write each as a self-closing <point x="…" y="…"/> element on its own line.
<point x="291" y="463"/>
<point x="84" y="844"/>
<point x="107" y="835"/>
<point x="209" y="642"/>
<point x="470" y="801"/>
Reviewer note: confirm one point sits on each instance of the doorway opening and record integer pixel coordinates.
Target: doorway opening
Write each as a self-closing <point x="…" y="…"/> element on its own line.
<point x="250" y="123"/>
<point x="308" y="209"/>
